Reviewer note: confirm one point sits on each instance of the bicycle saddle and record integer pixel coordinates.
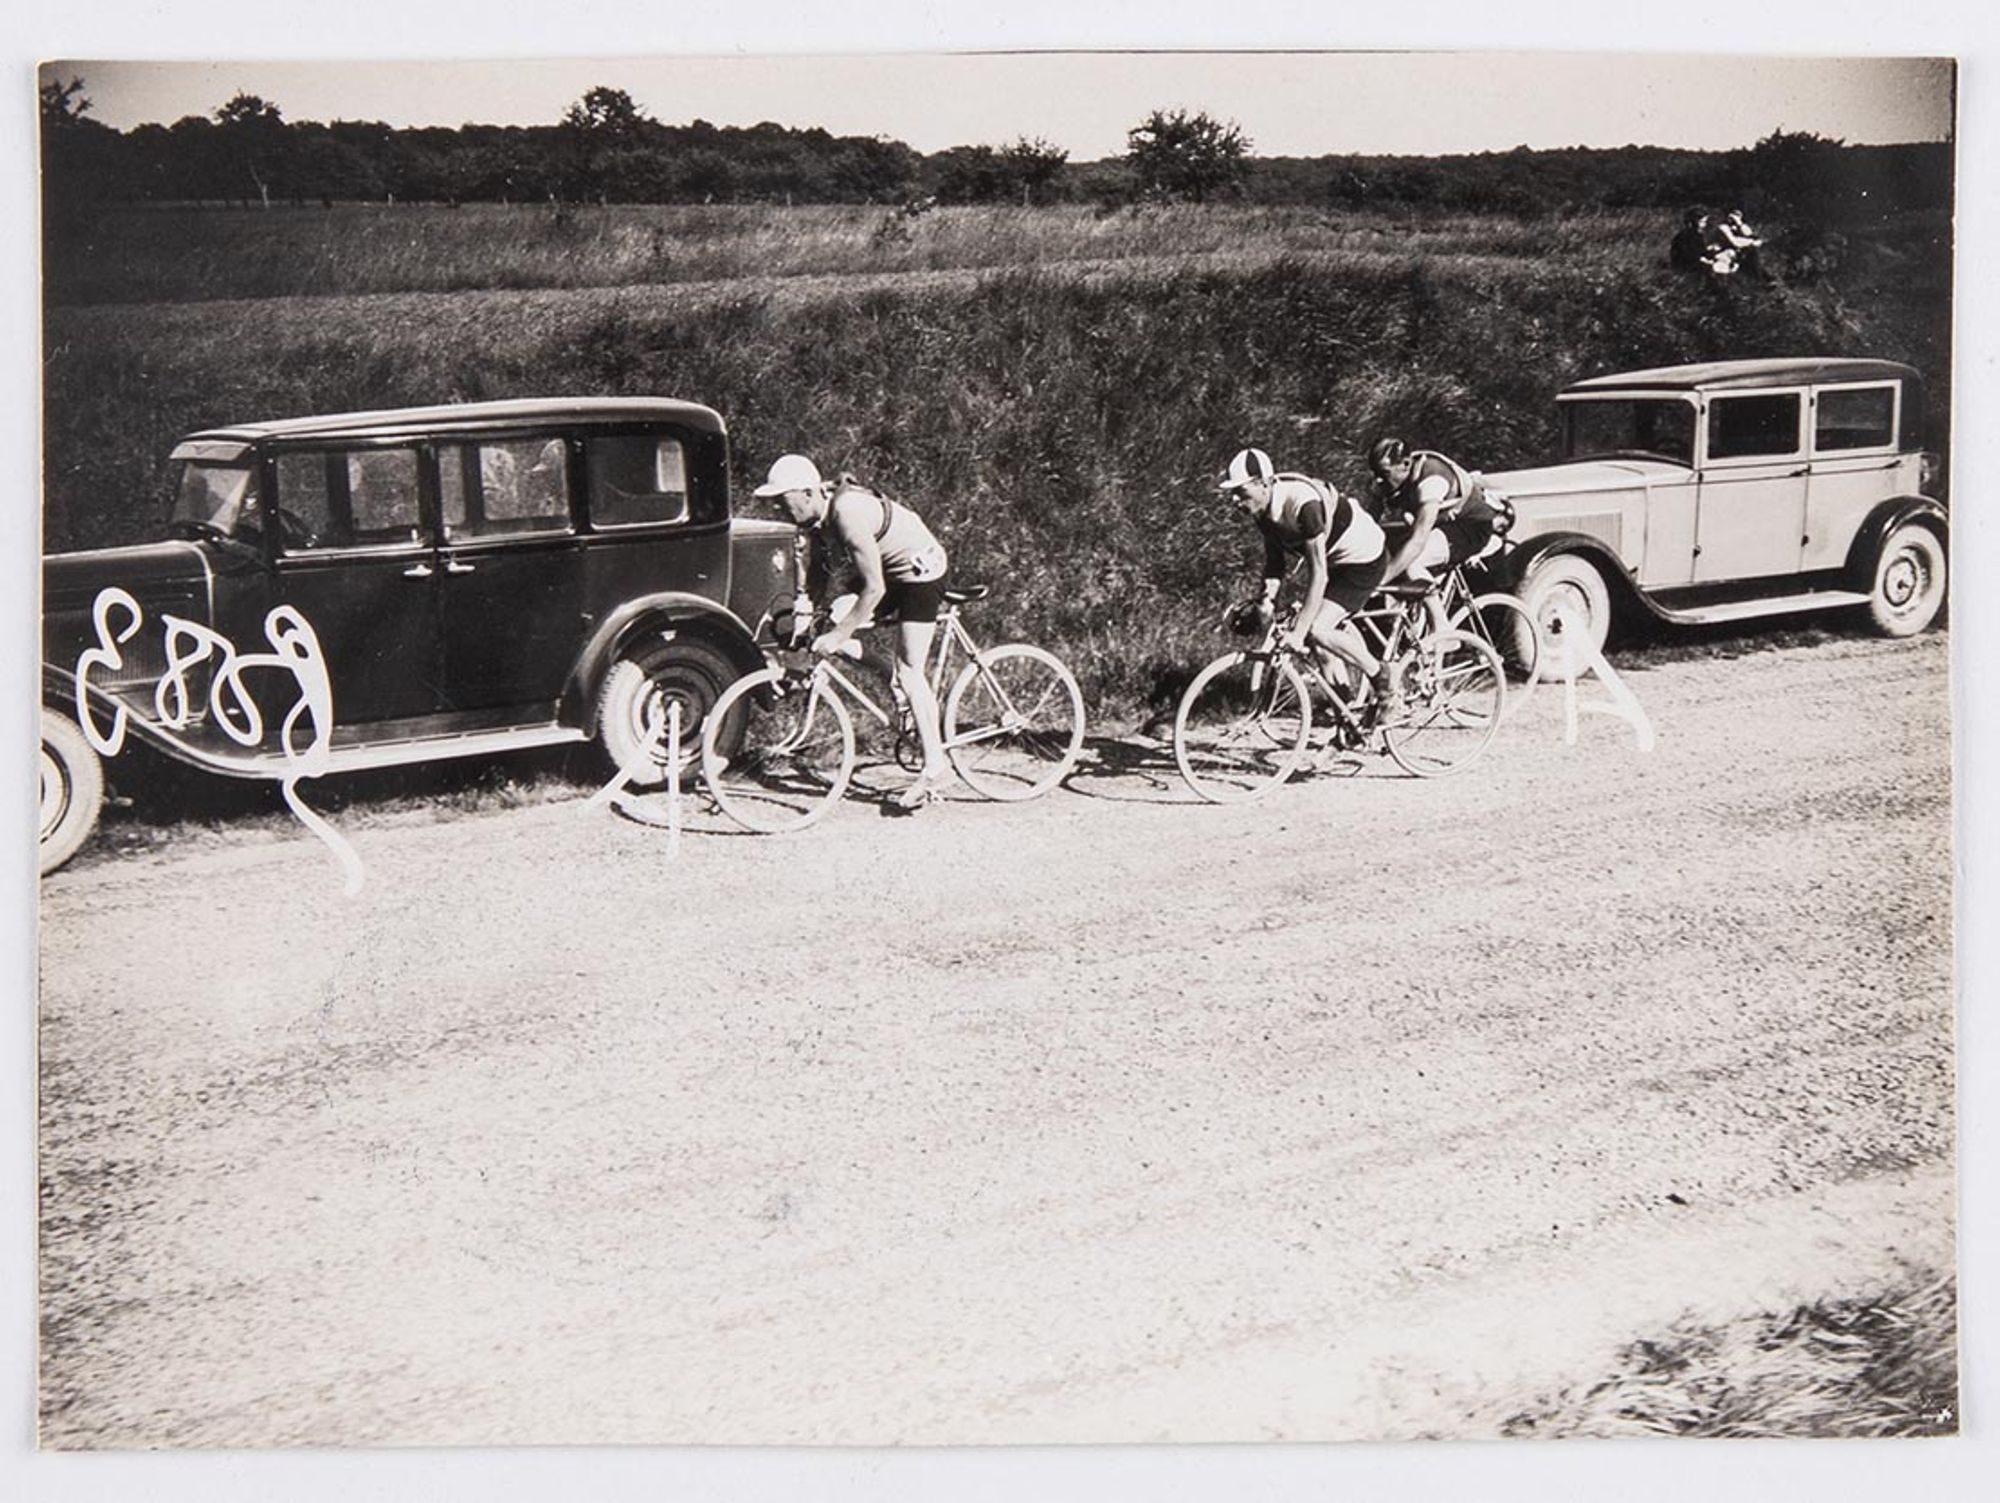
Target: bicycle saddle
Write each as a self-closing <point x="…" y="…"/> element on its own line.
<point x="1408" y="589"/>
<point x="960" y="594"/>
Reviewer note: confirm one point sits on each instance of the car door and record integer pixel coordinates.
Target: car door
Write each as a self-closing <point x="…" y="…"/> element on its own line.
<point x="353" y="556"/>
<point x="1855" y="456"/>
<point x="509" y="586"/>
<point x="1751" y="507"/>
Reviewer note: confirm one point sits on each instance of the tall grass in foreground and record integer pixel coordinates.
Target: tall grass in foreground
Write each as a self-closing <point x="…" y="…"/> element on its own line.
<point x="1882" y="1366"/>
<point x="1063" y="432"/>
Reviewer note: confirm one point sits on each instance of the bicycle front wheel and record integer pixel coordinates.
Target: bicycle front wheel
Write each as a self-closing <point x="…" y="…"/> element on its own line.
<point x="776" y="756"/>
<point x="1241" y="728"/>
<point x="1013" y="722"/>
<point x="1453" y="691"/>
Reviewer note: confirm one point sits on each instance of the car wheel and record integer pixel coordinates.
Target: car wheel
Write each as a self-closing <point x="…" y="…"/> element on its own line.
<point x="72" y="791"/>
<point x="1564" y="593"/>
<point x="648" y="678"/>
<point x="1909" y="581"/>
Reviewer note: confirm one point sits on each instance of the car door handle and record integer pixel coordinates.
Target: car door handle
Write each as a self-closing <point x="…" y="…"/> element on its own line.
<point x="1798" y="474"/>
<point x="453" y="566"/>
<point x="418" y="571"/>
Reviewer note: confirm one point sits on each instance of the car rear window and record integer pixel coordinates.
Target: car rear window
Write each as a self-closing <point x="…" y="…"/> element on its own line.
<point x="636" y="479"/>
<point x="1855" y="418"/>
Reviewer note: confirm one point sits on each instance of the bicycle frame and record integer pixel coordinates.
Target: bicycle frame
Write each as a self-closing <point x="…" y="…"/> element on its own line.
<point x="952" y="638"/>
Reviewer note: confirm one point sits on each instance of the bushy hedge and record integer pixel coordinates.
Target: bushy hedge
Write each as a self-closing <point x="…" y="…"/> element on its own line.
<point x="1062" y="432"/>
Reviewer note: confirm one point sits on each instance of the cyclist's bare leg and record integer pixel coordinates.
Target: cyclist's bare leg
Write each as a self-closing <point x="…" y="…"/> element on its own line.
<point x="913" y="646"/>
<point x="1331" y="629"/>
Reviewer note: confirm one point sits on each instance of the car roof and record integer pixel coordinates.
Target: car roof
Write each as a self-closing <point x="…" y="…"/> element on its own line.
<point x="1722" y="374"/>
<point x="474" y="417"/>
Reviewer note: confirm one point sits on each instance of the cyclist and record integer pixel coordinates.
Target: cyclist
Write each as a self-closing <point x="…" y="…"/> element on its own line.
<point x="1437" y="514"/>
<point x="894" y="562"/>
<point x="1343" y="546"/>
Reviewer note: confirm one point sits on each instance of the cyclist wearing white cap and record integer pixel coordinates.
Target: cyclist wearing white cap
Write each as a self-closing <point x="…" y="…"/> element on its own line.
<point x="1341" y="543"/>
<point x="896" y="563"/>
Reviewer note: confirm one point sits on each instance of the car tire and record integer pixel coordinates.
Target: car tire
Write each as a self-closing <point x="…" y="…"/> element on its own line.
<point x="1908" y="587"/>
<point x="1559" y="584"/>
<point x="72" y="789"/>
<point x="646" y="679"/>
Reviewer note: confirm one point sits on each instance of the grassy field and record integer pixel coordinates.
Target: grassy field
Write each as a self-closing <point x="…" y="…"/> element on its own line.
<point x="1055" y="389"/>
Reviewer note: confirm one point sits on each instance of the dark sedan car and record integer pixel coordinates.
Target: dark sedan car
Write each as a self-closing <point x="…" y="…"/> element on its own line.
<point x="406" y="586"/>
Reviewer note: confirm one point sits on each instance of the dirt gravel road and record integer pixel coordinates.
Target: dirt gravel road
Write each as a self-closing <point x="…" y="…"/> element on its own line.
<point x="1360" y="1112"/>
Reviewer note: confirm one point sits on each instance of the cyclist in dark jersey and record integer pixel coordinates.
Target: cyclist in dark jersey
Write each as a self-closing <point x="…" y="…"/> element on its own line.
<point x="1435" y="512"/>
<point x="1342" y="545"/>
<point x="897" y="566"/>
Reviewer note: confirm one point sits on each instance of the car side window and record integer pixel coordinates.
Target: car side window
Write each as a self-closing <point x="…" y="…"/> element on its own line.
<point x="1763" y="426"/>
<point x="636" y="479"/>
<point x="359" y="498"/>
<point x="504" y="488"/>
<point x="1855" y="418"/>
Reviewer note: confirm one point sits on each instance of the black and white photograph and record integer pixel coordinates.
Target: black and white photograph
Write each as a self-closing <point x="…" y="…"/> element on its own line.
<point x="1004" y="746"/>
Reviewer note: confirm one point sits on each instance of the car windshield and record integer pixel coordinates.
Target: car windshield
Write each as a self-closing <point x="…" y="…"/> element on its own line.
<point x="216" y="497"/>
<point x="1652" y="427"/>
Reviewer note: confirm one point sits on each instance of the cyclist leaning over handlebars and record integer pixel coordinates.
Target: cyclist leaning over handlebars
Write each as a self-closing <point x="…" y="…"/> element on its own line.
<point x="1436" y="513"/>
<point x="894" y="562"/>
<point x="1343" y="546"/>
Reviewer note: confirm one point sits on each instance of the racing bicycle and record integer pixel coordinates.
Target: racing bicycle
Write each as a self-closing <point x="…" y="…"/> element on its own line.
<point x="778" y="749"/>
<point x="1245" y="724"/>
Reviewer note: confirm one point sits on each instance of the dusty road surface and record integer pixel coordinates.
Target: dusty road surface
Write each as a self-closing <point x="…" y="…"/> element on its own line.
<point x="1360" y="1112"/>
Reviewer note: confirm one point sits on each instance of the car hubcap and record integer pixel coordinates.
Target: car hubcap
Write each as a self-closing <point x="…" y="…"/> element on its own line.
<point x="1902" y="580"/>
<point x="54" y="793"/>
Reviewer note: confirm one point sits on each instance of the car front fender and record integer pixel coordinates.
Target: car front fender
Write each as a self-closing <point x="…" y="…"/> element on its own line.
<point x="669" y="612"/>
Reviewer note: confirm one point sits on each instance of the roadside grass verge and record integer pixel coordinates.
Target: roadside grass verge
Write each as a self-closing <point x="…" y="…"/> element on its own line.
<point x="1063" y="432"/>
<point x="1885" y="1365"/>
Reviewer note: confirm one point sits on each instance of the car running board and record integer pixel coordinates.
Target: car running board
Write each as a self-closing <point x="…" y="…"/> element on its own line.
<point x="1768" y="605"/>
<point x="467" y="744"/>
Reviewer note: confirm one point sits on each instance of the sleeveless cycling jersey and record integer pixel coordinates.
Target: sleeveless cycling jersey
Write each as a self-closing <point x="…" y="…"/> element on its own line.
<point x="1301" y="509"/>
<point x="909" y="551"/>
<point x="1437" y="477"/>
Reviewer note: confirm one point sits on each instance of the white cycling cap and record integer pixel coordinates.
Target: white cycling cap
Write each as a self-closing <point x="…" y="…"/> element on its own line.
<point x="1249" y="464"/>
<point x="792" y="472"/>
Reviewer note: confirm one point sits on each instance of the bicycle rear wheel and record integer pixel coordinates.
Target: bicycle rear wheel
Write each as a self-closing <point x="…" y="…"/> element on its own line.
<point x="1241" y="728"/>
<point x="775" y="756"/>
<point x="1453" y="695"/>
<point x="1013" y="722"/>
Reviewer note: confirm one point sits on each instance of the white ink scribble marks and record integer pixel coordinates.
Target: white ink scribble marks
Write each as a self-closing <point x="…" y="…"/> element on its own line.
<point x="295" y="651"/>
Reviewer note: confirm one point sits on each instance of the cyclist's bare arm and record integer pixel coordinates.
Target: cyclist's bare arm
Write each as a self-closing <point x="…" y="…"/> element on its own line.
<point x="866" y="555"/>
<point x="1315" y="591"/>
<point x="1412" y="547"/>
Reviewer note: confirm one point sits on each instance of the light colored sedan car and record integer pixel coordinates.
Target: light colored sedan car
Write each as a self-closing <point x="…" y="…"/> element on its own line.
<point x="1732" y="489"/>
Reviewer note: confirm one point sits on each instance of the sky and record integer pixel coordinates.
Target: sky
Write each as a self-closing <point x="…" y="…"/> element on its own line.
<point x="1289" y="103"/>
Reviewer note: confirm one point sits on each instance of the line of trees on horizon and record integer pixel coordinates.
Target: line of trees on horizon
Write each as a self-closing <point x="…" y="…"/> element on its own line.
<point x="606" y="149"/>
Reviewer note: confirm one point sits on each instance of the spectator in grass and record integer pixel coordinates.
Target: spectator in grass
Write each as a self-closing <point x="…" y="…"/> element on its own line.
<point x="1689" y="248"/>
<point x="1733" y="245"/>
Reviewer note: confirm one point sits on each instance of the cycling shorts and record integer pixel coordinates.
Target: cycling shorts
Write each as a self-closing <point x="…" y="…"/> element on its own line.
<point x="1348" y="586"/>
<point x="917" y="600"/>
